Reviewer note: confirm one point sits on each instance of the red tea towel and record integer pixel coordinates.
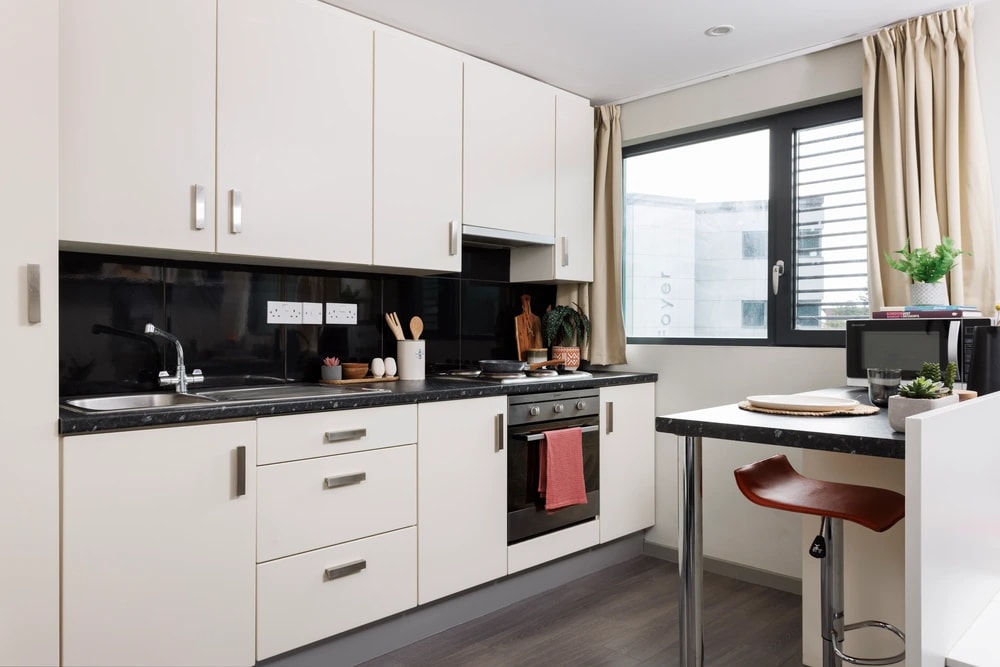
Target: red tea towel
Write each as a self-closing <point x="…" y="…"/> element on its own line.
<point x="560" y="468"/>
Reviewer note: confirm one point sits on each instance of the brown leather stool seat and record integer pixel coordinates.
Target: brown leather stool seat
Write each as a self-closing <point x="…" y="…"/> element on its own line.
<point x="774" y="483"/>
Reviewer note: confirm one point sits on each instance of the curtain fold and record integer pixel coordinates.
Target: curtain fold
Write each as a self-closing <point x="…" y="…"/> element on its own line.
<point x="926" y="165"/>
<point x="601" y="300"/>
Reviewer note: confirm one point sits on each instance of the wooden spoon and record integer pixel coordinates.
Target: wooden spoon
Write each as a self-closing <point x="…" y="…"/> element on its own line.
<point x="416" y="326"/>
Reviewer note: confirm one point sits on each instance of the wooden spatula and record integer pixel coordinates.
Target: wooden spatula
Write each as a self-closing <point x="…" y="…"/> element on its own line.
<point x="416" y="326"/>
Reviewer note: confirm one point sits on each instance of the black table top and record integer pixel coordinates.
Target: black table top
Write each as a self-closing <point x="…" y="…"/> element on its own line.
<point x="868" y="435"/>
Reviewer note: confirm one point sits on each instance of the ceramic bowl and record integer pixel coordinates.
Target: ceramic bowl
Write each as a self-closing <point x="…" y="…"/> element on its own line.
<point x="353" y="371"/>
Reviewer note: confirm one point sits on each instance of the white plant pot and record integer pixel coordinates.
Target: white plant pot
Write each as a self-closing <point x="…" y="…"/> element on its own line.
<point x="901" y="407"/>
<point x="929" y="294"/>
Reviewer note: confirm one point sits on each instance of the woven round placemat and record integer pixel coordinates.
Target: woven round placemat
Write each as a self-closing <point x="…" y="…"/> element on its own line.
<point x="855" y="411"/>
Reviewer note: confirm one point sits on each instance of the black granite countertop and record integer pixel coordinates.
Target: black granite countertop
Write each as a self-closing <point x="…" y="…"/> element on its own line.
<point x="869" y="435"/>
<point x="400" y="392"/>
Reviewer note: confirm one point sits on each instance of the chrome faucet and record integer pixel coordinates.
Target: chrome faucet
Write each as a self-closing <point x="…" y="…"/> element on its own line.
<point x="181" y="378"/>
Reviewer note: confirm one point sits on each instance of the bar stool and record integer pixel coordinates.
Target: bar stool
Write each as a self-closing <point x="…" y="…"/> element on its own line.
<point x="774" y="483"/>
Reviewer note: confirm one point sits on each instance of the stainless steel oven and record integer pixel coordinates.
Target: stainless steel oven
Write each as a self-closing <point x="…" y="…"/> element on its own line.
<point x="529" y="416"/>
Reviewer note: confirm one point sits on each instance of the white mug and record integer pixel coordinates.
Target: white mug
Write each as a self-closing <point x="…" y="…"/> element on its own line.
<point x="410" y="355"/>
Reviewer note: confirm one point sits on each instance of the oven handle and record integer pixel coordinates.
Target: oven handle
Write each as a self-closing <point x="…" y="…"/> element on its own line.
<point x="532" y="437"/>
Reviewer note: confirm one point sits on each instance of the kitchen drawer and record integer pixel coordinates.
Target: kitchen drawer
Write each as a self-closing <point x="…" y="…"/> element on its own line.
<point x="298" y="603"/>
<point x="294" y="437"/>
<point x="305" y="505"/>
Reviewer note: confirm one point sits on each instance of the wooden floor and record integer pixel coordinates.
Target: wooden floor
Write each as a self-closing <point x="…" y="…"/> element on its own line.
<point x="624" y="615"/>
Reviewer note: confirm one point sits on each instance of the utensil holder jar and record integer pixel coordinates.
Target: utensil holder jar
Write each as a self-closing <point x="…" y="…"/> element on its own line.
<point x="410" y="356"/>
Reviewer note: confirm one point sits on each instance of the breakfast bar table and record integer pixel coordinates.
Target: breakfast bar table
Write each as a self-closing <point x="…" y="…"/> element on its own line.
<point x="866" y="435"/>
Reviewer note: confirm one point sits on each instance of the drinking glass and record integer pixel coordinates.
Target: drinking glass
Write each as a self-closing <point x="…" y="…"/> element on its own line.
<point x="883" y="383"/>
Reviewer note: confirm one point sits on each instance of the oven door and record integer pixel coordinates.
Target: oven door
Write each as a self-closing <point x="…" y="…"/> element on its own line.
<point x="526" y="514"/>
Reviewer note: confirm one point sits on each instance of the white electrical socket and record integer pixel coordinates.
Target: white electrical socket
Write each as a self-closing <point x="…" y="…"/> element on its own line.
<point x="312" y="313"/>
<point x="341" y="313"/>
<point x="284" y="312"/>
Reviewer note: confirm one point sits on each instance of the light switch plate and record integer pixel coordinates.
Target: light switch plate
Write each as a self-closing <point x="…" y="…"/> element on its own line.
<point x="312" y="313"/>
<point x="341" y="313"/>
<point x="284" y="312"/>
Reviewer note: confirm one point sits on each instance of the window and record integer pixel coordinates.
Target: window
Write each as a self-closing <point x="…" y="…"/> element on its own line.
<point x="709" y="215"/>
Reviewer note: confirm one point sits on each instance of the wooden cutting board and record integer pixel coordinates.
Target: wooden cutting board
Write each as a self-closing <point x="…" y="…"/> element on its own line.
<point x="528" y="328"/>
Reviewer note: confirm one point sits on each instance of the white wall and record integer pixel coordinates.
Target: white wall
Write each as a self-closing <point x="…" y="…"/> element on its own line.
<point x="693" y="377"/>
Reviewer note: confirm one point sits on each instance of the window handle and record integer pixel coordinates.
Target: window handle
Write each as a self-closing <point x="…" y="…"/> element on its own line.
<point x="777" y="271"/>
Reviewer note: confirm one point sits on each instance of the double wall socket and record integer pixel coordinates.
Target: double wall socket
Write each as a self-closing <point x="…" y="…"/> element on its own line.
<point x="341" y="313"/>
<point x="284" y="312"/>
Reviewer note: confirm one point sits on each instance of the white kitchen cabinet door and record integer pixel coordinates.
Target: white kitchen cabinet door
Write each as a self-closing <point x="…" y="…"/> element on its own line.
<point x="158" y="563"/>
<point x="137" y="123"/>
<point x="294" y="131"/>
<point x="627" y="459"/>
<point x="572" y="257"/>
<point x="509" y="169"/>
<point x="418" y="154"/>
<point x="461" y="495"/>
<point x="29" y="210"/>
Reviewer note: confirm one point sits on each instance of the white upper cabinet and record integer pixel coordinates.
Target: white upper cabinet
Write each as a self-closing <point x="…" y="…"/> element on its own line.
<point x="509" y="151"/>
<point x="137" y="123"/>
<point x="294" y="131"/>
<point x="572" y="257"/>
<point x="417" y="154"/>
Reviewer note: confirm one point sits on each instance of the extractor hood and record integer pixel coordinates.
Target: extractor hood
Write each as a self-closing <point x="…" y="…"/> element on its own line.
<point x="488" y="237"/>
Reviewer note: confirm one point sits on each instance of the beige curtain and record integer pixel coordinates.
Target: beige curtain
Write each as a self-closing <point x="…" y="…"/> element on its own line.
<point x="925" y="155"/>
<point x="602" y="299"/>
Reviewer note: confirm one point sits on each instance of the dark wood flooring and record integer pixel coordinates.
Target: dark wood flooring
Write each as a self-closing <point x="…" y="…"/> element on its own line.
<point x="624" y="615"/>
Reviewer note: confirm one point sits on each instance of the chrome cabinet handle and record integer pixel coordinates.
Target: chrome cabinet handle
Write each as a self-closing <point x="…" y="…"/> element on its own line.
<point x="565" y="251"/>
<point x="236" y="211"/>
<point x="499" y="434"/>
<point x="198" y="205"/>
<point x="777" y="271"/>
<point x="241" y="471"/>
<point x="34" y="293"/>
<point x="344" y="480"/>
<point x="453" y="244"/>
<point x="348" y="434"/>
<point x="610" y="418"/>
<point x="344" y="570"/>
<point x="535" y="437"/>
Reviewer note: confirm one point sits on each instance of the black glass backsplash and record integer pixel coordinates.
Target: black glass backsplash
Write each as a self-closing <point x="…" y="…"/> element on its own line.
<point x="218" y="311"/>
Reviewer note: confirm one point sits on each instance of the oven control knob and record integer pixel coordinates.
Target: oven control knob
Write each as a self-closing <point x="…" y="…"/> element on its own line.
<point x="582" y="405"/>
<point x="535" y="411"/>
<point x="557" y="408"/>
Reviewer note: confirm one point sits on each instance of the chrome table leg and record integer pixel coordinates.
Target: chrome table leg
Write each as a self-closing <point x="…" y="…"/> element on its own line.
<point x="689" y="553"/>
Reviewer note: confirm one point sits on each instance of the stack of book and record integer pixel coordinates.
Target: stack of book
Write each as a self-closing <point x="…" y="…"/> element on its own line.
<point x="939" y="311"/>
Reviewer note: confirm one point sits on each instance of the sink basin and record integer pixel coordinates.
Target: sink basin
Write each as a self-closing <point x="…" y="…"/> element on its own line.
<point x="284" y="392"/>
<point x="136" y="401"/>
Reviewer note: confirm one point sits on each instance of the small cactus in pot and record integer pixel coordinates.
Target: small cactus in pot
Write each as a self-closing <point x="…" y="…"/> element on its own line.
<point x="929" y="390"/>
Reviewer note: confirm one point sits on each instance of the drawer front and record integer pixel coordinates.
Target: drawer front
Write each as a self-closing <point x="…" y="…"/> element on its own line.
<point x="294" y="437"/>
<point x="304" y="598"/>
<point x="305" y="505"/>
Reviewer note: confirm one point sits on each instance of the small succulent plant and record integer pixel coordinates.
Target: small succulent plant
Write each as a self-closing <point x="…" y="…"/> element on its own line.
<point x="921" y="387"/>
<point x="931" y="370"/>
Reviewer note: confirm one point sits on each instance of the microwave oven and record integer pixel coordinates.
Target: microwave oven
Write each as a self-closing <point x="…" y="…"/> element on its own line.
<point x="906" y="343"/>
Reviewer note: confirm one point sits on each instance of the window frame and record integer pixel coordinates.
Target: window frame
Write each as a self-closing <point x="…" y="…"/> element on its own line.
<point x="780" y="217"/>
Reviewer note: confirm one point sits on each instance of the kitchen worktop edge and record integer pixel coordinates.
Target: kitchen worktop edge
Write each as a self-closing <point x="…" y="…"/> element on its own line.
<point x="399" y="393"/>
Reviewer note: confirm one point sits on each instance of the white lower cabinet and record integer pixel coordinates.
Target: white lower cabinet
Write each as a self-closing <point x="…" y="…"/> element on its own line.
<point x="461" y="495"/>
<point x="304" y="598"/>
<point x="158" y="546"/>
<point x="627" y="459"/>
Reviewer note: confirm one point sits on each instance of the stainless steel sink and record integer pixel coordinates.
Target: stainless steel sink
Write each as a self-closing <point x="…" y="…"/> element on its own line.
<point x="287" y="392"/>
<point x="284" y="392"/>
<point x="137" y="401"/>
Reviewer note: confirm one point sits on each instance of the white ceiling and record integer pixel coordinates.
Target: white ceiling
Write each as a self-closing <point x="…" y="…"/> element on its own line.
<point x="620" y="50"/>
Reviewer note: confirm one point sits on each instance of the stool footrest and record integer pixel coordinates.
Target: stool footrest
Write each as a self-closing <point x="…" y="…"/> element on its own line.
<point x="837" y="641"/>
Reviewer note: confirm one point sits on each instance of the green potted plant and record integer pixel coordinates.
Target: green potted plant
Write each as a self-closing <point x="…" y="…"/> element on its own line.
<point x="927" y="269"/>
<point x="930" y="390"/>
<point x="566" y="329"/>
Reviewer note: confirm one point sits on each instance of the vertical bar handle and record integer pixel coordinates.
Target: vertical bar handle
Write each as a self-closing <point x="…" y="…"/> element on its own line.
<point x="34" y="293"/>
<point x="241" y="471"/>
<point x="565" y="251"/>
<point x="609" y="421"/>
<point x="236" y="211"/>
<point x="198" y="205"/>
<point x="777" y="271"/>
<point x="498" y="447"/>
<point x="453" y="242"/>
